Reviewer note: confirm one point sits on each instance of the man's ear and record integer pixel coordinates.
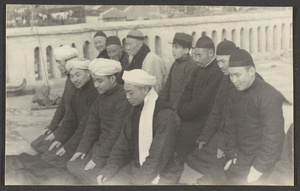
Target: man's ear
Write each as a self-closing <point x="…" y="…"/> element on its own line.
<point x="186" y="50"/>
<point x="252" y="70"/>
<point x="211" y="52"/>
<point x="113" y="78"/>
<point x="88" y="73"/>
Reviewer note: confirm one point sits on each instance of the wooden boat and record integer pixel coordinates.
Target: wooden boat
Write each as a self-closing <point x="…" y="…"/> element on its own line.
<point x="18" y="90"/>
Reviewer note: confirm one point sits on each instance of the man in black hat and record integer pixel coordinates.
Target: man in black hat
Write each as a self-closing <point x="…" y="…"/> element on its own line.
<point x="181" y="69"/>
<point x="115" y="52"/>
<point x="254" y="130"/>
<point x="198" y="97"/>
<point x="99" y="43"/>
<point x="140" y="57"/>
<point x="205" y="155"/>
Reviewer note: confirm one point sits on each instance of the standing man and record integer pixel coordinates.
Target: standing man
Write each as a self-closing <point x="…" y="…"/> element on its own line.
<point x="181" y="70"/>
<point x="198" y="97"/>
<point x="147" y="138"/>
<point x="69" y="133"/>
<point x="104" y="124"/>
<point x="115" y="52"/>
<point x="140" y="57"/>
<point x="254" y="130"/>
<point x="100" y="44"/>
<point x="61" y="54"/>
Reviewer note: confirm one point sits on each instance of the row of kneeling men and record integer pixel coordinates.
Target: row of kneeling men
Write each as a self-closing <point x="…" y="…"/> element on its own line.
<point x="122" y="121"/>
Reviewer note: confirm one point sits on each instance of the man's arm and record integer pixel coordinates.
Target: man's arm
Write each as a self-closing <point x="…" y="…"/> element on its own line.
<point x="60" y="111"/>
<point x="165" y="93"/>
<point x="215" y="116"/>
<point x="68" y="124"/>
<point x="92" y="129"/>
<point x="272" y="132"/>
<point x="191" y="107"/>
<point x="123" y="148"/>
<point x="162" y="147"/>
<point x="120" y="113"/>
<point x="77" y="136"/>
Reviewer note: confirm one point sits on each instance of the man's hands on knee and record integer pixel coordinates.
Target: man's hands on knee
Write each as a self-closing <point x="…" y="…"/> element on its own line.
<point x="253" y="175"/>
<point x="61" y="151"/>
<point x="101" y="179"/>
<point x="76" y="155"/>
<point x="90" y="165"/>
<point x="228" y="164"/>
<point x="46" y="131"/>
<point x="55" y="144"/>
<point x="50" y="137"/>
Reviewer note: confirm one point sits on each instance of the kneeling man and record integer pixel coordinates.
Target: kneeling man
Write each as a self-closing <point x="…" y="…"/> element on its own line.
<point x="254" y="130"/>
<point x="104" y="124"/>
<point x="147" y="137"/>
<point x="69" y="133"/>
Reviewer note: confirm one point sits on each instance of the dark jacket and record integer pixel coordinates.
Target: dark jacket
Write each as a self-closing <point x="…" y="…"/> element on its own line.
<point x="124" y="60"/>
<point x="71" y="129"/>
<point x="212" y="134"/>
<point x="179" y="76"/>
<point x="63" y="106"/>
<point x="255" y="127"/>
<point x="195" y="104"/>
<point x="283" y="172"/>
<point x="103" y="54"/>
<point x="165" y="128"/>
<point x="104" y="124"/>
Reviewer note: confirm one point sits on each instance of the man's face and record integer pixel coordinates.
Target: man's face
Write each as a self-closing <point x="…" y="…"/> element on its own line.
<point x="134" y="94"/>
<point x="103" y="83"/>
<point x="203" y="56"/>
<point x="114" y="52"/>
<point x="178" y="51"/>
<point x="61" y="66"/>
<point x="241" y="77"/>
<point x="223" y="61"/>
<point x="99" y="43"/>
<point x="132" y="46"/>
<point x="79" y="77"/>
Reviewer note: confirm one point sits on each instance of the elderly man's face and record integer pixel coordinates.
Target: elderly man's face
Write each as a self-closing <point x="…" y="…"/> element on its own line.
<point x="132" y="46"/>
<point x="103" y="83"/>
<point x="99" y="43"/>
<point x="135" y="94"/>
<point x="223" y="61"/>
<point x="61" y="66"/>
<point x="203" y="56"/>
<point x="114" y="51"/>
<point x="242" y="77"/>
<point x="79" y="77"/>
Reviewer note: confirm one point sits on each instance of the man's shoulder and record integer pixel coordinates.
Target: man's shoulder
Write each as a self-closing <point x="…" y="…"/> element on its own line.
<point x="267" y="91"/>
<point x="153" y="57"/>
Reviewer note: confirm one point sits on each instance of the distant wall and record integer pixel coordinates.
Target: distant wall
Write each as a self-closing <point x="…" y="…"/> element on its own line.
<point x="258" y="33"/>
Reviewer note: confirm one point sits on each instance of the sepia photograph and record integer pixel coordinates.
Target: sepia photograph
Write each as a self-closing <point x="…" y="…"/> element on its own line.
<point x="149" y="95"/>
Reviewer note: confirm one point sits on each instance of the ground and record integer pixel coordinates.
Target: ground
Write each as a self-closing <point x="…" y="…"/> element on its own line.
<point x="21" y="120"/>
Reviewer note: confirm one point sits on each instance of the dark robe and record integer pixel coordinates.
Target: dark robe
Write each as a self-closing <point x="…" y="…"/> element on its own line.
<point x="179" y="76"/>
<point x="165" y="129"/>
<point x="40" y="144"/>
<point x="194" y="106"/>
<point x="124" y="60"/>
<point x="213" y="132"/>
<point x="102" y="131"/>
<point x="72" y="127"/>
<point x="103" y="54"/>
<point x="283" y="172"/>
<point x="253" y="134"/>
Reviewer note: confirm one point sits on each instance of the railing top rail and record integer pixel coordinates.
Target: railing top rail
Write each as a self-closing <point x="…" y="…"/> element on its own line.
<point x="121" y="25"/>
